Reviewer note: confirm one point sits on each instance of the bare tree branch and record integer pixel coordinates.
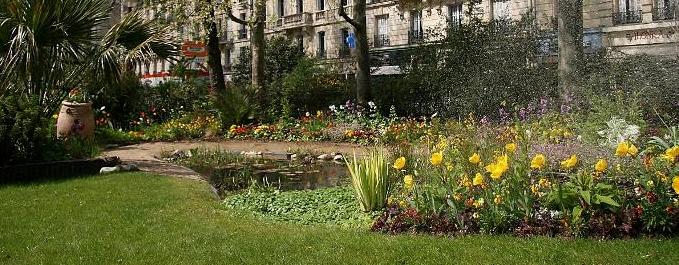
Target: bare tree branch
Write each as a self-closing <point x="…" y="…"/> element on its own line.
<point x="343" y="14"/>
<point x="234" y="18"/>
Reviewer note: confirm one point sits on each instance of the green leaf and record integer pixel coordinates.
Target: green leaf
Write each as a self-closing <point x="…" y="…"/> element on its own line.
<point x="607" y="200"/>
<point x="585" y="194"/>
<point x="577" y="213"/>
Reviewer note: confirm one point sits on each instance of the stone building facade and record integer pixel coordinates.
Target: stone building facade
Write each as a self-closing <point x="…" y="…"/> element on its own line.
<point x="627" y="26"/>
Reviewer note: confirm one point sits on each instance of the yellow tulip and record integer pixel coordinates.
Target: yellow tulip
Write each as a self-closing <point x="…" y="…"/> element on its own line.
<point x="675" y="184"/>
<point x="510" y="147"/>
<point x="400" y="163"/>
<point x="632" y="150"/>
<point x="436" y="158"/>
<point x="478" y="179"/>
<point x="671" y="154"/>
<point x="601" y="166"/>
<point x="538" y="162"/>
<point x="570" y="162"/>
<point x="408" y="182"/>
<point x="475" y="159"/>
<point x="622" y="149"/>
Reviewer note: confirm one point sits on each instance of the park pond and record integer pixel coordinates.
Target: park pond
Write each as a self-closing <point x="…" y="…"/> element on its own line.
<point x="227" y="171"/>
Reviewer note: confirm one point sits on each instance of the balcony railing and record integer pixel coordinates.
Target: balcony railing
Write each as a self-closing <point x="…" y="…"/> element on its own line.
<point x="666" y="12"/>
<point x="381" y="40"/>
<point x="415" y="37"/>
<point x="320" y="15"/>
<point x="298" y="20"/>
<point x="627" y="17"/>
<point x="242" y="33"/>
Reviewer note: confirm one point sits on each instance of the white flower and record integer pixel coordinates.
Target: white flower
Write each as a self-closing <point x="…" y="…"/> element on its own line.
<point x="307" y="114"/>
<point x="333" y="108"/>
<point x="102" y="108"/>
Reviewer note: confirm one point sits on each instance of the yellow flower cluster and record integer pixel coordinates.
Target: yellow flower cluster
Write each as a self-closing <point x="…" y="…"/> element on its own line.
<point x="400" y="163"/>
<point x="436" y="158"/>
<point x="569" y="163"/>
<point x="601" y="166"/>
<point x="671" y="154"/>
<point x="408" y="182"/>
<point x="626" y="149"/>
<point x="475" y="159"/>
<point x="499" y="167"/>
<point x="478" y="180"/>
<point x="538" y="162"/>
<point x="675" y="184"/>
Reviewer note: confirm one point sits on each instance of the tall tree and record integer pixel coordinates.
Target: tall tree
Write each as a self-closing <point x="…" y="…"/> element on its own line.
<point x="570" y="26"/>
<point x="182" y="12"/>
<point x="358" y="22"/>
<point x="256" y="23"/>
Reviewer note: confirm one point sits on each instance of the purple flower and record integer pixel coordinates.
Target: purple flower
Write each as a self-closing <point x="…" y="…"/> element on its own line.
<point x="504" y="115"/>
<point x="543" y="105"/>
<point x="523" y="114"/>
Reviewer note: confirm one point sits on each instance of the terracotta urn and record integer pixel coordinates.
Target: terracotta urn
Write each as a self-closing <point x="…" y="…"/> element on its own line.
<point x="75" y="119"/>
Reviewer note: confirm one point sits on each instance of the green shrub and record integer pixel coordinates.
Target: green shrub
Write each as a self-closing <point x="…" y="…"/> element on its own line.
<point x="26" y="136"/>
<point x="370" y="178"/>
<point x="311" y="87"/>
<point x="476" y="68"/>
<point x="322" y="206"/>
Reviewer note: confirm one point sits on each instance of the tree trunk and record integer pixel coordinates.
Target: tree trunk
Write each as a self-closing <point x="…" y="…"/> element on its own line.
<point x="214" y="60"/>
<point x="258" y="50"/>
<point x="363" y="55"/>
<point x="569" y="17"/>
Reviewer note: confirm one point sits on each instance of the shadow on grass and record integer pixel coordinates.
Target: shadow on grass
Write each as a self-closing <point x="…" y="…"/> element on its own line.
<point x="33" y="173"/>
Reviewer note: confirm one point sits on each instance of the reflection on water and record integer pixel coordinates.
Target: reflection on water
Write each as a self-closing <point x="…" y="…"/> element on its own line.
<point x="278" y="174"/>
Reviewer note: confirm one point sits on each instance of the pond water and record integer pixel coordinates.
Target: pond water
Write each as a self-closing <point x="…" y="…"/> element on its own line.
<point x="277" y="174"/>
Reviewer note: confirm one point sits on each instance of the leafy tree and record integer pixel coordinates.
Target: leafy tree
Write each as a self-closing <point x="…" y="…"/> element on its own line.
<point x="48" y="47"/>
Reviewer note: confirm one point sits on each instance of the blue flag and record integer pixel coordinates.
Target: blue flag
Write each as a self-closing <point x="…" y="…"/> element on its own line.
<point x="351" y="41"/>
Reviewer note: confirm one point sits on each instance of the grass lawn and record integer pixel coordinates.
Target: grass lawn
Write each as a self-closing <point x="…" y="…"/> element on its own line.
<point x="135" y="218"/>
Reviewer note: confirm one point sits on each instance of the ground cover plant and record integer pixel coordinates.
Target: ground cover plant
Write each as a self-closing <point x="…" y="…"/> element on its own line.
<point x="137" y="218"/>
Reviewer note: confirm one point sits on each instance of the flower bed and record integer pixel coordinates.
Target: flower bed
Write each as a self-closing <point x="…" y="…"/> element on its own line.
<point x="492" y="183"/>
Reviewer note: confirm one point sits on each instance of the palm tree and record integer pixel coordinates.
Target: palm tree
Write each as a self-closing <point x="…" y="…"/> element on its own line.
<point x="48" y="47"/>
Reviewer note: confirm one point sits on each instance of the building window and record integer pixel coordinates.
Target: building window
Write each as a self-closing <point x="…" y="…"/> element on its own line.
<point x="321" y="4"/>
<point x="382" y="29"/>
<point x="501" y="10"/>
<point x="629" y="11"/>
<point x="227" y="60"/>
<point x="242" y="31"/>
<point x="344" y="49"/>
<point x="347" y="2"/>
<point x="666" y="10"/>
<point x="415" y="34"/>
<point x="321" y="44"/>
<point x="455" y="15"/>
<point x="300" y="41"/>
<point x="281" y="8"/>
<point x="300" y="6"/>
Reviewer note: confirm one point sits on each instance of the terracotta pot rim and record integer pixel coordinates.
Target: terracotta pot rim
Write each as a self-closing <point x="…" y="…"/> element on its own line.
<point x="76" y="104"/>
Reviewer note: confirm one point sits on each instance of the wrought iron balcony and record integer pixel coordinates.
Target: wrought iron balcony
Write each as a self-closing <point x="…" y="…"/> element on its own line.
<point x="415" y="37"/>
<point x="666" y="12"/>
<point x="627" y="17"/>
<point x="381" y="40"/>
<point x="242" y="33"/>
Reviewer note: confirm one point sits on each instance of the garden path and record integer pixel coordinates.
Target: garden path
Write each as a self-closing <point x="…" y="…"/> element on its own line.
<point x="147" y="155"/>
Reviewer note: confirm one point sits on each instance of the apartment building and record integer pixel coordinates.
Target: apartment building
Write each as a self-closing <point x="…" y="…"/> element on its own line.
<point x="627" y="26"/>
